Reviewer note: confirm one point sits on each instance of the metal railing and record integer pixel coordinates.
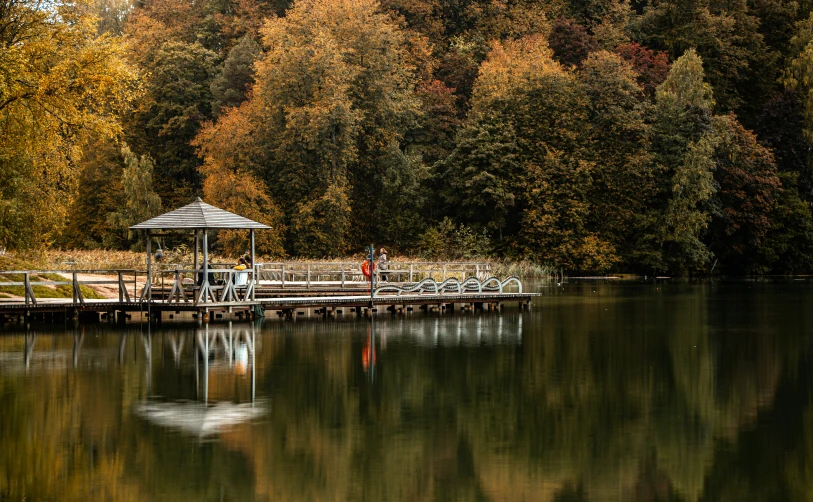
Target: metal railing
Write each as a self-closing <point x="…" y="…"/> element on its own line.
<point x="470" y="285"/>
<point x="343" y="274"/>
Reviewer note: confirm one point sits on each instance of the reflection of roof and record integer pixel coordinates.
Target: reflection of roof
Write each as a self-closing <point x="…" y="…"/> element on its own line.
<point x="197" y="419"/>
<point x="198" y="215"/>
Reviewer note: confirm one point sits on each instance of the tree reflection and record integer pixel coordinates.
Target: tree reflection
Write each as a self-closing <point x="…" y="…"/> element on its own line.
<point x="679" y="396"/>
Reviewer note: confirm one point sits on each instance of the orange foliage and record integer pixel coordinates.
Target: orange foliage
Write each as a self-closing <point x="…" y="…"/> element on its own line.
<point x="230" y="184"/>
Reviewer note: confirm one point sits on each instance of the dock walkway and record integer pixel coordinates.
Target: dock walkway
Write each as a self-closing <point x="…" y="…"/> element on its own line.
<point x="257" y="297"/>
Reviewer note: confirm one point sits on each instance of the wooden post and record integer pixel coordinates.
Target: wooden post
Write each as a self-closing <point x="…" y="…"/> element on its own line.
<point x="253" y="365"/>
<point x="204" y="285"/>
<point x="29" y="292"/>
<point x="308" y="281"/>
<point x="253" y="265"/>
<point x="282" y="275"/>
<point x="372" y="278"/>
<point x="196" y="263"/>
<point x="77" y="292"/>
<point x="206" y="346"/>
<point x="148" y="285"/>
<point x="342" y="275"/>
<point x="410" y="271"/>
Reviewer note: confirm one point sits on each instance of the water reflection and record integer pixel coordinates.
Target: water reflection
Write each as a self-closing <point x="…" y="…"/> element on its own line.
<point x="607" y="392"/>
<point x="222" y="350"/>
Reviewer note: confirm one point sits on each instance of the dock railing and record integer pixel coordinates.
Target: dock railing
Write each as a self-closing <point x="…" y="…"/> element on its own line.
<point x="347" y="274"/>
<point x="176" y="284"/>
<point x="50" y="284"/>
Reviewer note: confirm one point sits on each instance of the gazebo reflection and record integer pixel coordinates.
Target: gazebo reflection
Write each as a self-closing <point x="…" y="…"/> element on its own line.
<point x="222" y="352"/>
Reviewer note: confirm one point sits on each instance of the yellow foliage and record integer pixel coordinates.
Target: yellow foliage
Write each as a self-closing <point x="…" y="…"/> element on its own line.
<point x="512" y="66"/>
<point x="60" y="83"/>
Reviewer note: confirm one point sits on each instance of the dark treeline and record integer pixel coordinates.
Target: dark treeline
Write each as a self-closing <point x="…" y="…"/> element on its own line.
<point x="647" y="136"/>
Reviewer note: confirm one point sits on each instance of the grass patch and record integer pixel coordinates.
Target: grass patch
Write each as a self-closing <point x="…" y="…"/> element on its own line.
<point x="44" y="291"/>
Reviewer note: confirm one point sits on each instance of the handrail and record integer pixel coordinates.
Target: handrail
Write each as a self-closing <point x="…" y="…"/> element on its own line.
<point x="221" y="292"/>
<point x="344" y="272"/>
<point x="461" y="287"/>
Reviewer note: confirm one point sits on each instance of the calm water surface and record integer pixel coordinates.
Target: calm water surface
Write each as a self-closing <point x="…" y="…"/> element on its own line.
<point x="626" y="391"/>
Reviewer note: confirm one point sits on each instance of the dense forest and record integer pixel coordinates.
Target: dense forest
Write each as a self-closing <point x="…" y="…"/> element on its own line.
<point x="646" y="136"/>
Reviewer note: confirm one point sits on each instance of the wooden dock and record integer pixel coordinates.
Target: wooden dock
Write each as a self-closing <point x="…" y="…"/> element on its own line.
<point x="173" y="292"/>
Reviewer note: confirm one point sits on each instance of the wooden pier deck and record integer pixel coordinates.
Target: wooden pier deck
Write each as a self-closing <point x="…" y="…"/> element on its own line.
<point x="267" y="304"/>
<point x="128" y="295"/>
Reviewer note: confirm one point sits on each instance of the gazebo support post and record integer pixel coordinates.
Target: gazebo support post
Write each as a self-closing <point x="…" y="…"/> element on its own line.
<point x="148" y="285"/>
<point x="197" y="252"/>
<point x="253" y="266"/>
<point x="204" y="289"/>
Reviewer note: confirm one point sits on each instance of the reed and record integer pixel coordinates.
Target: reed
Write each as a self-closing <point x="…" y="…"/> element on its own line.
<point x="111" y="259"/>
<point x="523" y="269"/>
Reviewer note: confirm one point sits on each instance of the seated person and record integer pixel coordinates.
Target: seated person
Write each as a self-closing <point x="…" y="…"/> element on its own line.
<point x="211" y="276"/>
<point x="241" y="277"/>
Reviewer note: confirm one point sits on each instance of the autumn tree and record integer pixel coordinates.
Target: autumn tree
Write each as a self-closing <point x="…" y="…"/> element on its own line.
<point x="618" y="144"/>
<point x="555" y="224"/>
<point x="60" y="83"/>
<point x="652" y="67"/>
<point x="798" y="75"/>
<point x="571" y="42"/>
<point x="335" y="93"/>
<point x="231" y="181"/>
<point x="746" y="175"/>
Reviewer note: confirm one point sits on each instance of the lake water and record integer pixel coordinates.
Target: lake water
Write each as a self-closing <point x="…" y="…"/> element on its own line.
<point x="634" y="391"/>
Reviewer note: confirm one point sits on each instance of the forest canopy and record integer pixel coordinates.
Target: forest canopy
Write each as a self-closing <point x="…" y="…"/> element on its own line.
<point x="653" y="136"/>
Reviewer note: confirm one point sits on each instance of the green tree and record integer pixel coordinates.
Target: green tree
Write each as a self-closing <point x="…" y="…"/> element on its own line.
<point x="482" y="175"/>
<point x="140" y="201"/>
<point x="236" y="77"/>
<point x="99" y="192"/>
<point x="177" y="102"/>
<point x="726" y="36"/>
<point x="523" y="104"/>
<point x="683" y="146"/>
<point x="798" y="75"/>
<point x="782" y="129"/>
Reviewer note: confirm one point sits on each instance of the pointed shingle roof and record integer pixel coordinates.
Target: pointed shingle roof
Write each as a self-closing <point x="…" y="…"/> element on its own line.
<point x="198" y="215"/>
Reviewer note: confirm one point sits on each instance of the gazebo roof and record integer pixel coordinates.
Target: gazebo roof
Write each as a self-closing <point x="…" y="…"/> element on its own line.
<point x="198" y="216"/>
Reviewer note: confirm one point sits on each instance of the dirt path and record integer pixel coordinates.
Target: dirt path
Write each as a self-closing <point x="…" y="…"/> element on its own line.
<point x="108" y="291"/>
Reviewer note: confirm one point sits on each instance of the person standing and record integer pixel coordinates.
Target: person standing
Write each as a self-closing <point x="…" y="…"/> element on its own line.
<point x="382" y="264"/>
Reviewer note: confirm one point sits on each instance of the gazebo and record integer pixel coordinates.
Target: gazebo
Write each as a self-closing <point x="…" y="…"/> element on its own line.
<point x="199" y="217"/>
